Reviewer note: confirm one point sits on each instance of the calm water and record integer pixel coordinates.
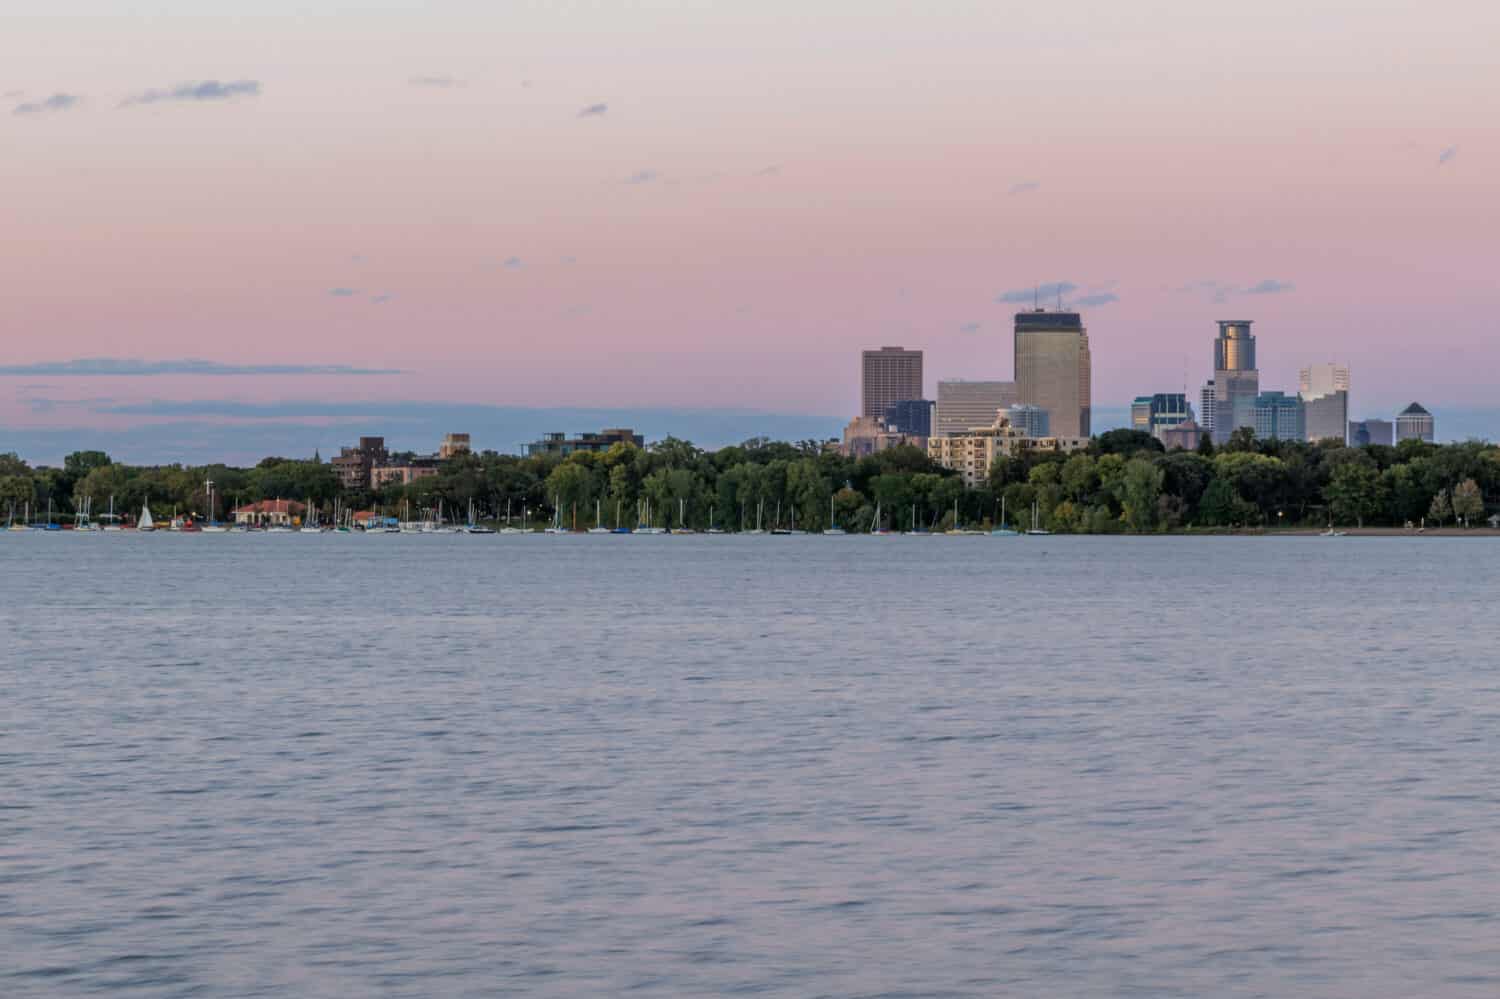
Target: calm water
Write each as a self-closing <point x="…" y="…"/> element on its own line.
<point x="405" y="766"/>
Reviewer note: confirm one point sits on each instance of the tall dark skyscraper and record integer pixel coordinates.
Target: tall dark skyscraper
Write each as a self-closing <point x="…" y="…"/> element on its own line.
<point x="1054" y="369"/>
<point x="888" y="376"/>
<point x="1236" y="379"/>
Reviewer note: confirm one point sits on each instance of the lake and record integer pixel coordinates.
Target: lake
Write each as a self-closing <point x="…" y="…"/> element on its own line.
<point x="330" y="766"/>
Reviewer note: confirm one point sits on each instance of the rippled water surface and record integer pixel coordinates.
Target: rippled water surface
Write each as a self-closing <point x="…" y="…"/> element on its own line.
<point x="453" y="766"/>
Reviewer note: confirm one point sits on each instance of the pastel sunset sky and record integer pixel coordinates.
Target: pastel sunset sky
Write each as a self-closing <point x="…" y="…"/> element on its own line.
<point x="698" y="205"/>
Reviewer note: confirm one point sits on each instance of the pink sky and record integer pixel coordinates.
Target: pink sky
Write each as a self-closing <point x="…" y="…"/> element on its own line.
<point x="813" y="179"/>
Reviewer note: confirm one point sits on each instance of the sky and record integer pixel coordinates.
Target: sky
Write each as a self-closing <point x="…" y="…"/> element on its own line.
<point x="241" y="219"/>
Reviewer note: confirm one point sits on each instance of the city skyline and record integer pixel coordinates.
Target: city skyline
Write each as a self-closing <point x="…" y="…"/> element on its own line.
<point x="677" y="201"/>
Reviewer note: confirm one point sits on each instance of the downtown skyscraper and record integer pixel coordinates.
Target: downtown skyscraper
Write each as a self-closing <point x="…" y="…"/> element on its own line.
<point x="1236" y="379"/>
<point x="1054" y="369"/>
<point x="888" y="376"/>
<point x="1325" y="395"/>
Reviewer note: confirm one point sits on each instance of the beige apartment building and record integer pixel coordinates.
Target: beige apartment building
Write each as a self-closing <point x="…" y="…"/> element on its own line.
<point x="972" y="454"/>
<point x="1054" y="369"/>
<point x="864" y="436"/>
<point x="453" y="444"/>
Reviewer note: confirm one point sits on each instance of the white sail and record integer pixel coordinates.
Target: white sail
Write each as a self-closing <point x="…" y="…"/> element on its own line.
<point x="145" y="523"/>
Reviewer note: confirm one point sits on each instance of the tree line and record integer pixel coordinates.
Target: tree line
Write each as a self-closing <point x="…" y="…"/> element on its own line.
<point x="1123" y="482"/>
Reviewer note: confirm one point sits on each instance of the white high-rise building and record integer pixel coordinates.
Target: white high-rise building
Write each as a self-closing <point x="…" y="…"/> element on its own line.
<point x="1323" y="379"/>
<point x="1206" y="407"/>
<point x="1325" y="392"/>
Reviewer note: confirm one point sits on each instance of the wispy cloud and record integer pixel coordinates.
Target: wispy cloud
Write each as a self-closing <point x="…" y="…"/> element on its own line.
<point x="594" y="111"/>
<point x="381" y="299"/>
<point x="438" y="82"/>
<point x="199" y="90"/>
<point x="1447" y="154"/>
<point x="1024" y="187"/>
<point x="514" y="263"/>
<point x="57" y="102"/>
<point x="343" y="292"/>
<point x="774" y="170"/>
<point x="1270" y="286"/>
<point x="118" y="366"/>
<point x="642" y="177"/>
<point x="1219" y="292"/>
<point x="970" y="328"/>
<point x="1042" y="293"/>
<point x="1097" y="298"/>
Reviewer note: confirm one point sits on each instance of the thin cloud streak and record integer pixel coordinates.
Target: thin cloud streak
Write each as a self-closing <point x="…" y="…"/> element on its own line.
<point x="57" y="102"/>
<point x="437" y="82"/>
<point x="196" y="91"/>
<point x="594" y="111"/>
<point x="1042" y="293"/>
<point x="1270" y="286"/>
<point x="136" y="367"/>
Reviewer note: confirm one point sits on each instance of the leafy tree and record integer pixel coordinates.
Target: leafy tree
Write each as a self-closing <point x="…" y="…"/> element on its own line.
<point x="1468" y="504"/>
<point x="1355" y="492"/>
<point x="1140" y="488"/>
<point x="1409" y="498"/>
<point x="1241" y="439"/>
<point x="1220" y="503"/>
<point x="80" y="463"/>
<point x="1079" y="476"/>
<point x="568" y="487"/>
<point x="1441" y="509"/>
<point x="1125" y="442"/>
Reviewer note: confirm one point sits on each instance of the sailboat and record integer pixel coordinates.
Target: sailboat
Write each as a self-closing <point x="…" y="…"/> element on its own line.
<point x="439" y="526"/>
<point x="557" y="527"/>
<point x="508" y="529"/>
<point x="916" y="531"/>
<point x="833" y="527"/>
<point x="111" y="522"/>
<point x="760" y="506"/>
<point x="776" y="527"/>
<point x="711" y="528"/>
<point x="648" y="526"/>
<point x="1332" y="533"/>
<point x="213" y="526"/>
<point x="81" y="521"/>
<point x="682" y="527"/>
<point x="341" y="518"/>
<point x="619" y="528"/>
<point x="1003" y="531"/>
<point x="1036" y="531"/>
<point x="145" y="523"/>
<point x="310" y="525"/>
<point x="957" y="528"/>
<point x="472" y="527"/>
<point x="599" y="527"/>
<point x="876" y="527"/>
